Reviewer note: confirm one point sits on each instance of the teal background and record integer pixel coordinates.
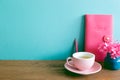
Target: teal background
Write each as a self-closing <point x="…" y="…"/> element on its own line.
<point x="45" y="29"/>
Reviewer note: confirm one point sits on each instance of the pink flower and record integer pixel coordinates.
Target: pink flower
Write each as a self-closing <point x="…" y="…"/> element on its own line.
<point x="112" y="48"/>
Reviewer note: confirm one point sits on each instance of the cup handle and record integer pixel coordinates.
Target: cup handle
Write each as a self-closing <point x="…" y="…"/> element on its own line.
<point x="68" y="61"/>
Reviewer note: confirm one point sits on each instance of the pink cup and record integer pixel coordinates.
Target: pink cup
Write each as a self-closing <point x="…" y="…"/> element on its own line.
<point x="81" y="60"/>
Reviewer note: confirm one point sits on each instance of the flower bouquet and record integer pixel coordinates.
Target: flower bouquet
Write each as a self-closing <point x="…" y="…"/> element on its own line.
<point x="112" y="59"/>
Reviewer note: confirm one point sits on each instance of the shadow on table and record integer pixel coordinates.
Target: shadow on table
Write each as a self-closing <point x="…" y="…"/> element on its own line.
<point x="60" y="70"/>
<point x="68" y="73"/>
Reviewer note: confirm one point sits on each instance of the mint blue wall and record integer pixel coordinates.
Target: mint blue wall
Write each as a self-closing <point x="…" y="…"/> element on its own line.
<point x="45" y="29"/>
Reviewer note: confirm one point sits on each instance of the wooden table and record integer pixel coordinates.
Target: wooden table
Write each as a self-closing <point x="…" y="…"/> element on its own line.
<point x="48" y="70"/>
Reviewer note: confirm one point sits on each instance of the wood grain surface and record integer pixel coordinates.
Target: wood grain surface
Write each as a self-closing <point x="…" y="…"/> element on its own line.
<point x="48" y="70"/>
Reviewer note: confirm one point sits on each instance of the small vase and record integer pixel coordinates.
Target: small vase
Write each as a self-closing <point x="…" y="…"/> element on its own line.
<point x="113" y="64"/>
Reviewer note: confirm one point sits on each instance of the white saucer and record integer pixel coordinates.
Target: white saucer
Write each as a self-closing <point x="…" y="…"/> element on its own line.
<point x="96" y="68"/>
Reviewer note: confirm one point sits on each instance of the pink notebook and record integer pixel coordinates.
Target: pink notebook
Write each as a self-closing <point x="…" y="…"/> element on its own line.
<point x="98" y="30"/>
